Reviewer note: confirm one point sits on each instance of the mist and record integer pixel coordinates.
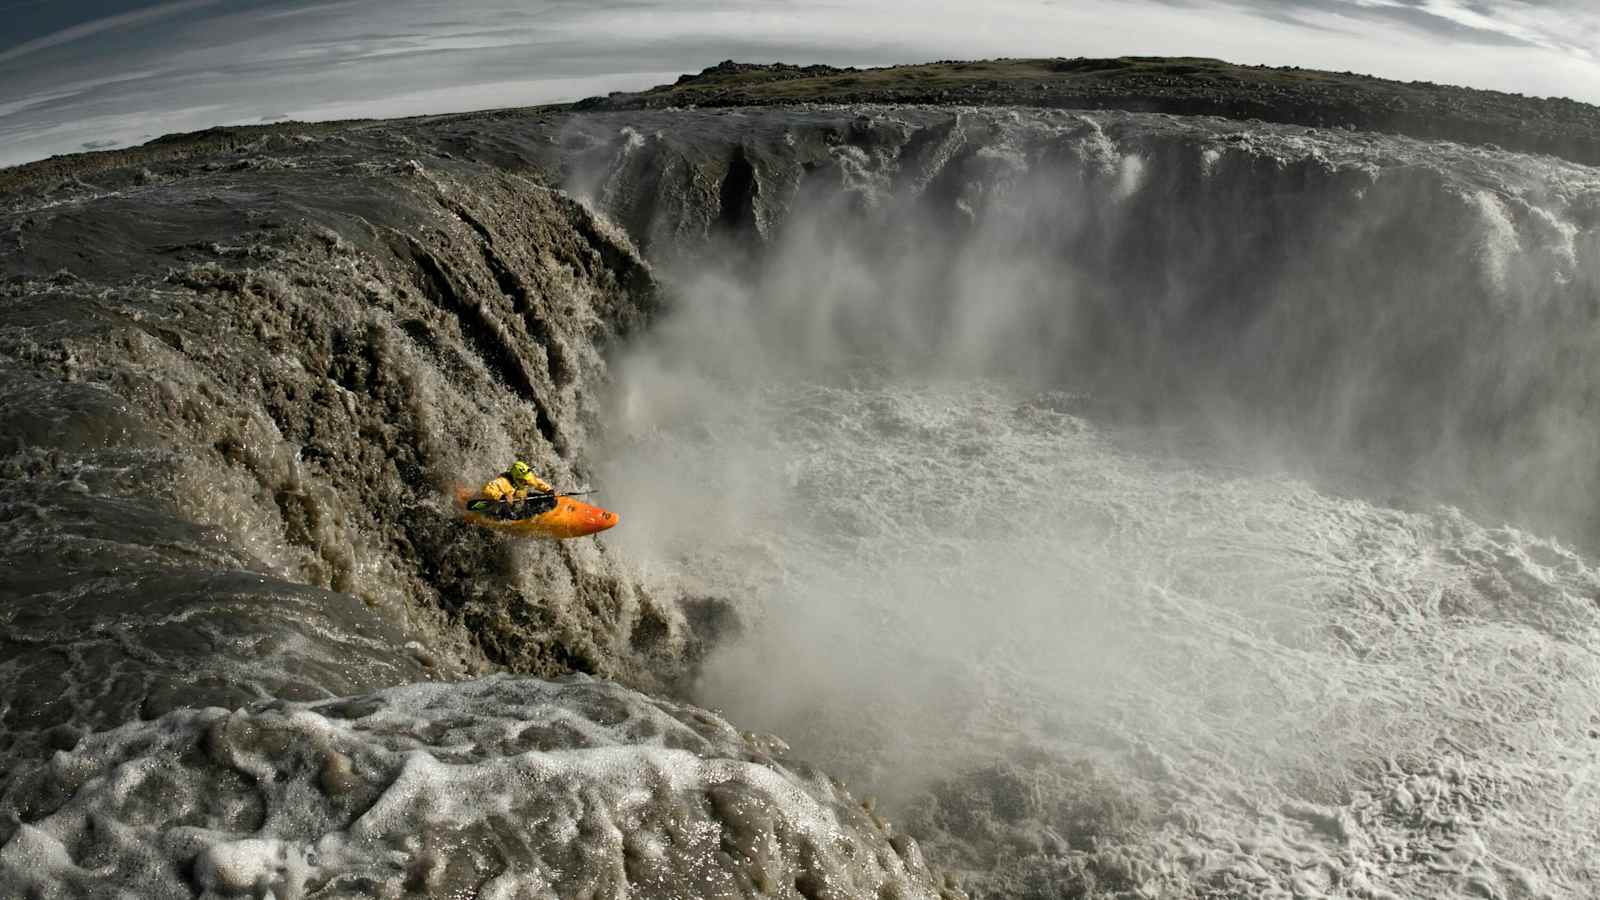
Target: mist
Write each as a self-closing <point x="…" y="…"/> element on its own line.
<point x="1063" y="441"/>
<point x="1339" y="308"/>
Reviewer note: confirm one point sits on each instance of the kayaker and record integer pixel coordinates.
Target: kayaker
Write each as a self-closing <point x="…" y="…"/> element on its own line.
<point x="516" y="493"/>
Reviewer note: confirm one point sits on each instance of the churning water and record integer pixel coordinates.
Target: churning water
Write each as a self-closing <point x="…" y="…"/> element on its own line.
<point x="956" y="576"/>
<point x="1040" y="591"/>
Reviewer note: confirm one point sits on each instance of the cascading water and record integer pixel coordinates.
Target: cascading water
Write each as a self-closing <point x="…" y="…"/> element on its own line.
<point x="232" y="435"/>
<point x="1083" y="475"/>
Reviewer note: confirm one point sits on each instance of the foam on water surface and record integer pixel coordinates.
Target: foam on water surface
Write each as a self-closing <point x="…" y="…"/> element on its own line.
<point x="1291" y="688"/>
<point x="1207" y="629"/>
<point x="502" y="787"/>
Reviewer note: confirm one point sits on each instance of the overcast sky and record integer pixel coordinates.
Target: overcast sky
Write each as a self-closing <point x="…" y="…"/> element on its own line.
<point x="77" y="74"/>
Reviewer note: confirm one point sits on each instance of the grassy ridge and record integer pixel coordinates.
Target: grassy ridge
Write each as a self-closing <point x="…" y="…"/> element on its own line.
<point x="1177" y="85"/>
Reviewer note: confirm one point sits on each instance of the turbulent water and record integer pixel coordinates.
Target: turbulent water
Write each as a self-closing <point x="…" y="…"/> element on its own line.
<point x="1087" y="475"/>
<point x="1134" y="505"/>
<point x="1029" y="633"/>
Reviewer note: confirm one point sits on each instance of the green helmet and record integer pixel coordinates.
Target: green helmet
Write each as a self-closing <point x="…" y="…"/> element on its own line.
<point x="520" y="472"/>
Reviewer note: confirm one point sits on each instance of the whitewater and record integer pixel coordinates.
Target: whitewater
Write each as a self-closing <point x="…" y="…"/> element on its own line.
<point x="1038" y="613"/>
<point x="966" y="592"/>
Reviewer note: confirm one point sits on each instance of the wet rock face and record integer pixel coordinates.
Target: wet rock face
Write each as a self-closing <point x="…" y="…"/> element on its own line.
<point x="134" y="639"/>
<point x="503" y="787"/>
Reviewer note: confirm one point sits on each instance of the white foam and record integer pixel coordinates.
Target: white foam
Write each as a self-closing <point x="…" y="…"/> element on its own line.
<point x="1498" y="243"/>
<point x="580" y="786"/>
<point x="263" y="866"/>
<point x="956" y="570"/>
<point x="34" y="852"/>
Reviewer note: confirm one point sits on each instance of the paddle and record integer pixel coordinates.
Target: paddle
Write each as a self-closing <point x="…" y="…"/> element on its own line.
<point x="485" y="506"/>
<point x="541" y="497"/>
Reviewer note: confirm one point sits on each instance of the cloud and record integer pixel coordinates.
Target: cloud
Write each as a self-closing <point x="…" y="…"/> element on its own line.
<point x="1566" y="25"/>
<point x="109" y="23"/>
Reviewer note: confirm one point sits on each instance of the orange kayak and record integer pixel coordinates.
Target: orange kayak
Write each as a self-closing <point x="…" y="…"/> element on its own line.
<point x="571" y="518"/>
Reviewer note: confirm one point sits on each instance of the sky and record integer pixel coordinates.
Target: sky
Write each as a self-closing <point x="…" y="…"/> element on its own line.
<point x="87" y="74"/>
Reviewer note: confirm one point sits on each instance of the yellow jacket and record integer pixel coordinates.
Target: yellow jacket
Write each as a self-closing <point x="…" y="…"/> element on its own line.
<point x="501" y="488"/>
